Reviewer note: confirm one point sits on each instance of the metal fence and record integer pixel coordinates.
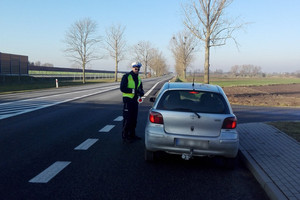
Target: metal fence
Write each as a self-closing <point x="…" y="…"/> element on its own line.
<point x="13" y="65"/>
<point x="70" y="73"/>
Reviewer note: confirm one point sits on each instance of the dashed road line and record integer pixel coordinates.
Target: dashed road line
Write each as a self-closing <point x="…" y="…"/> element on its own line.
<point x="118" y="119"/>
<point x="49" y="173"/>
<point x="86" y="144"/>
<point x="107" y="128"/>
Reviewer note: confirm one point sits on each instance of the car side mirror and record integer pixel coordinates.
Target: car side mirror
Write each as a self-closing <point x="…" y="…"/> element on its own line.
<point x="152" y="99"/>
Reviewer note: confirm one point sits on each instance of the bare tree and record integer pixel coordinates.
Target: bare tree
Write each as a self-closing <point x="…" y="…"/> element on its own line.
<point x="82" y="43"/>
<point x="256" y="70"/>
<point x="38" y="63"/>
<point x="206" y="21"/>
<point x="246" y="70"/>
<point x="48" y="65"/>
<point x="158" y="63"/>
<point x="182" y="46"/>
<point x="235" y="70"/>
<point x="143" y="53"/>
<point x="116" y="45"/>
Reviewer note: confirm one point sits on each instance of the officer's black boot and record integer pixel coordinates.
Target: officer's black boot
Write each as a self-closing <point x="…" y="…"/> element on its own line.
<point x="133" y="136"/>
<point x="126" y="137"/>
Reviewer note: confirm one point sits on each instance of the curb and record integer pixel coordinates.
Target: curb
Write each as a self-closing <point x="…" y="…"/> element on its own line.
<point x="266" y="183"/>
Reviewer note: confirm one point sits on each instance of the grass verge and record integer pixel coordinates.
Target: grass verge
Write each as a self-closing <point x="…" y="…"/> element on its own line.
<point x="228" y="82"/>
<point x="290" y="128"/>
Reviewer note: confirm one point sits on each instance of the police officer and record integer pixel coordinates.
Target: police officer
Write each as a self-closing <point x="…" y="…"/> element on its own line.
<point x="132" y="88"/>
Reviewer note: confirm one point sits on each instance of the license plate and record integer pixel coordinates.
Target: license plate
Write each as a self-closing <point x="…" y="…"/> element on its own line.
<point x="197" y="144"/>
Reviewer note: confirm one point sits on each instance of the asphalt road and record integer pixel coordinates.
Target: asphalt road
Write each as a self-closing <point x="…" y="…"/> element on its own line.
<point x="73" y="150"/>
<point x="248" y="114"/>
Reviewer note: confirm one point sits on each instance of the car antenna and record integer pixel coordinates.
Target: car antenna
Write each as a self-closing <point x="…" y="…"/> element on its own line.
<point x="193" y="80"/>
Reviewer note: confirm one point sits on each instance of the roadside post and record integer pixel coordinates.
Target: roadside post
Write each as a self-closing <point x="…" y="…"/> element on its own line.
<point x="56" y="81"/>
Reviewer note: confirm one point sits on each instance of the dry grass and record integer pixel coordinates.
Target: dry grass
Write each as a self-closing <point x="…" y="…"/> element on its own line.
<point x="290" y="128"/>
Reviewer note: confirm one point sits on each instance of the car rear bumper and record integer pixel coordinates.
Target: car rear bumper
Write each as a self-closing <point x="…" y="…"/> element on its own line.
<point x="226" y="144"/>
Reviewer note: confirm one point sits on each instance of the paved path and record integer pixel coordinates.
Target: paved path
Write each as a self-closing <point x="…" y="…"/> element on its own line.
<point x="274" y="159"/>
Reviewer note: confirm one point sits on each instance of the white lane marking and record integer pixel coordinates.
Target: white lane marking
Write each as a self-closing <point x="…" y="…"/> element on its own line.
<point x="53" y="103"/>
<point x="86" y="144"/>
<point x="147" y="93"/>
<point x="49" y="173"/>
<point x="118" y="119"/>
<point x="107" y="128"/>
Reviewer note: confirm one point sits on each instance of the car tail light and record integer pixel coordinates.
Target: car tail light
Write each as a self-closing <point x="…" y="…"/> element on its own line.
<point x="156" y="118"/>
<point x="229" y="123"/>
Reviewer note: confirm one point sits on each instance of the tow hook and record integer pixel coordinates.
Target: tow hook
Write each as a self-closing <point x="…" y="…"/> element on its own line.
<point x="186" y="156"/>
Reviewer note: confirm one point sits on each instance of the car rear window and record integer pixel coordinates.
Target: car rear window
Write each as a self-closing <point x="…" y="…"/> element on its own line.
<point x="193" y="101"/>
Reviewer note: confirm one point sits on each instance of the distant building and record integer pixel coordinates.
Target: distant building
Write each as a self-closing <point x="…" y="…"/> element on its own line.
<point x="11" y="64"/>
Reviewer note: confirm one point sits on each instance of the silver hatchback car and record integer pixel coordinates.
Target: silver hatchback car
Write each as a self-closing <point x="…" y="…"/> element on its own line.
<point x="191" y="119"/>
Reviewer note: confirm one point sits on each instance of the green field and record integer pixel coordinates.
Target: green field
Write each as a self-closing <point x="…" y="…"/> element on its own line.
<point x="227" y="82"/>
<point x="254" y="81"/>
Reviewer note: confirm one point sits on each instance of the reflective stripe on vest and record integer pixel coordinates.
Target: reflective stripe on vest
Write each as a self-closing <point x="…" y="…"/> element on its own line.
<point x="131" y="85"/>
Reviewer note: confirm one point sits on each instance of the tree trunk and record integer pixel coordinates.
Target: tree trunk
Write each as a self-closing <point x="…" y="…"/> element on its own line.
<point x="116" y="71"/>
<point x="145" y="72"/>
<point x="206" y="63"/>
<point x="83" y="73"/>
<point x="116" y="59"/>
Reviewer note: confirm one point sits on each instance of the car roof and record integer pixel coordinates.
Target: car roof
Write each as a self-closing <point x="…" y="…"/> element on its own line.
<point x="191" y="86"/>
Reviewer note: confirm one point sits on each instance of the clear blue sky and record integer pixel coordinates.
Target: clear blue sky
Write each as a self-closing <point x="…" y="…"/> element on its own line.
<point x="37" y="28"/>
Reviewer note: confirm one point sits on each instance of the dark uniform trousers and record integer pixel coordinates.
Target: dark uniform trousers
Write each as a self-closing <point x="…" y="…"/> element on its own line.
<point x="130" y="113"/>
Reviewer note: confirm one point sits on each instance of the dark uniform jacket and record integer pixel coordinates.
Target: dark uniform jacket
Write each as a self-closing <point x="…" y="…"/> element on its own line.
<point x="123" y="87"/>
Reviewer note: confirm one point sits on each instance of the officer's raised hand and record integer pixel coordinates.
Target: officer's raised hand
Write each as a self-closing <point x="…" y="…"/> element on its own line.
<point x="140" y="92"/>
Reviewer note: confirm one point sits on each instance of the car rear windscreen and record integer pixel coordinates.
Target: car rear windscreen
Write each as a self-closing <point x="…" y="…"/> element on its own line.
<point x="193" y="101"/>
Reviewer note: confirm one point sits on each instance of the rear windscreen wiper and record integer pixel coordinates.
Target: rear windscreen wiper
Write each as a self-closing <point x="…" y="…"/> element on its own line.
<point x="188" y="110"/>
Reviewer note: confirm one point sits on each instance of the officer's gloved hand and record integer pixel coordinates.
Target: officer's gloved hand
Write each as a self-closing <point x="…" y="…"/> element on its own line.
<point x="140" y="92"/>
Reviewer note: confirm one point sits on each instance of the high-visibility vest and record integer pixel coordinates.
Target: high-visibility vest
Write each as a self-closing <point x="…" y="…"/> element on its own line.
<point x="131" y="85"/>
